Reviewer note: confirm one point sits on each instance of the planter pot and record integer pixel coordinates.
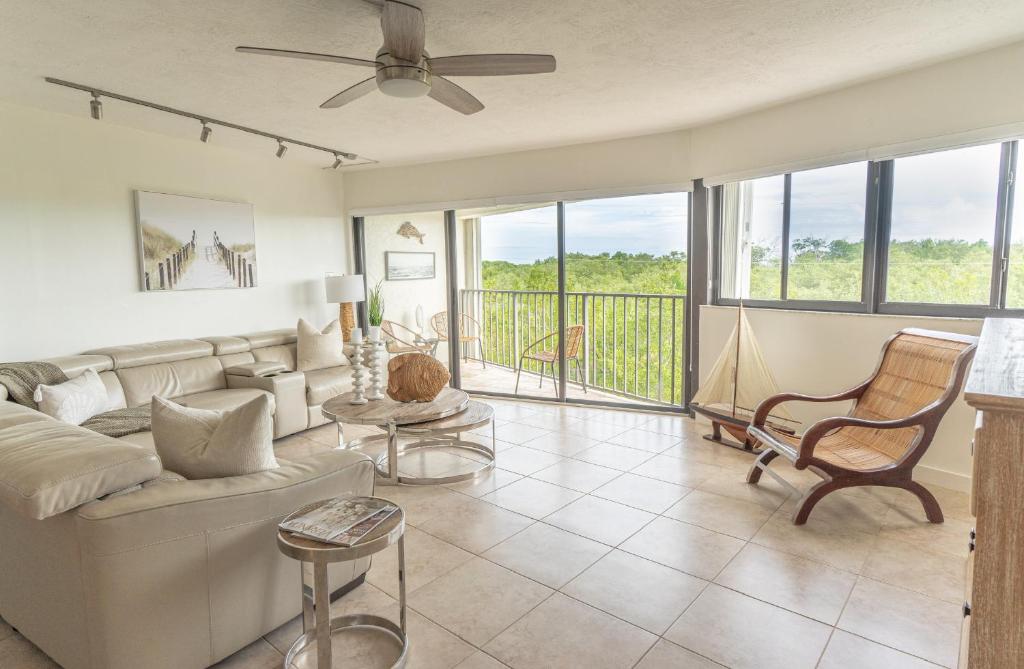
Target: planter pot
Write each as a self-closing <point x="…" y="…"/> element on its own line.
<point x="373" y="332"/>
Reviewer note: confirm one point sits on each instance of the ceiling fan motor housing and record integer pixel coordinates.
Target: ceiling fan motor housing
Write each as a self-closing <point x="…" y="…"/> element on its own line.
<point x="401" y="78"/>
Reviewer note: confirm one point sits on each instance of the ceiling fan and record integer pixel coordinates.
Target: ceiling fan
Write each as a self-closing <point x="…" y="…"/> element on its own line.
<point x="405" y="70"/>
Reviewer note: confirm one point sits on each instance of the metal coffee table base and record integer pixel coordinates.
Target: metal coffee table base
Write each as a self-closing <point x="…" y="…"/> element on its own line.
<point x="386" y="463"/>
<point x="304" y="651"/>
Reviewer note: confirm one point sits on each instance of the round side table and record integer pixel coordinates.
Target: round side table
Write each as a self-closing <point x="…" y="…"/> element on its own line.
<point x="317" y="624"/>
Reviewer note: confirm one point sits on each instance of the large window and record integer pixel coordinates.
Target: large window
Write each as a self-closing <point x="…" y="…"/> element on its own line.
<point x="929" y="234"/>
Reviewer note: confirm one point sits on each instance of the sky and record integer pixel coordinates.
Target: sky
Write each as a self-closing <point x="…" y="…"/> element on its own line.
<point x="654" y="224"/>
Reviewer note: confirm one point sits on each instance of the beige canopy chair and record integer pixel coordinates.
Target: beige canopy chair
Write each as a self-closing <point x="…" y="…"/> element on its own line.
<point x="894" y="418"/>
<point x="549" y="357"/>
<point x="467" y="327"/>
<point x="400" y="339"/>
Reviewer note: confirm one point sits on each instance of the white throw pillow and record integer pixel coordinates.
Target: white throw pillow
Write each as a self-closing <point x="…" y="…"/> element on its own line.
<point x="318" y="349"/>
<point x="205" y="444"/>
<point x="74" y="401"/>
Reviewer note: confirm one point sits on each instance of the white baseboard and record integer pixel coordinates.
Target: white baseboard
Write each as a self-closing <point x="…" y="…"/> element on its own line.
<point x="941" y="477"/>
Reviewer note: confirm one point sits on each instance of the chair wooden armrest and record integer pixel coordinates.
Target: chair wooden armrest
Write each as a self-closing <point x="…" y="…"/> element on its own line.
<point x="815" y="432"/>
<point x="766" y="405"/>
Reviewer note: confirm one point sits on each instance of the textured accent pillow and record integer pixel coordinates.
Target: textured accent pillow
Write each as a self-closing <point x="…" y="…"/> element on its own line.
<point x="74" y="401"/>
<point x="205" y="444"/>
<point x="318" y="349"/>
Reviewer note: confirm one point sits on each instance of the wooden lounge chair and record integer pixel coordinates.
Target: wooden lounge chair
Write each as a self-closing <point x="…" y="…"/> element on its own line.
<point x="573" y="338"/>
<point x="467" y="327"/>
<point x="891" y="425"/>
<point x="400" y="339"/>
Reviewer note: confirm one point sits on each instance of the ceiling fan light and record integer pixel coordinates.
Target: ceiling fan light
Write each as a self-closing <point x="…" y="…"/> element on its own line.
<point x="404" y="88"/>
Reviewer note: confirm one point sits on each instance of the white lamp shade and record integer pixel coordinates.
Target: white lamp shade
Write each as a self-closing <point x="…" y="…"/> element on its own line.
<point x="345" y="288"/>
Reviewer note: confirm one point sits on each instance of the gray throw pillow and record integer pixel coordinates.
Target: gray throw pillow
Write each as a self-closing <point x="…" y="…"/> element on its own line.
<point x="204" y="444"/>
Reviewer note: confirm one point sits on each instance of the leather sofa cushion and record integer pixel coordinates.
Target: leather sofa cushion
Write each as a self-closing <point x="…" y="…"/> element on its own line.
<point x="142" y="439"/>
<point x="171" y="379"/>
<point x="284" y="354"/>
<point x="232" y="359"/>
<point x="115" y="393"/>
<point x="155" y="352"/>
<point x="271" y="338"/>
<point x="227" y="345"/>
<point x="48" y="467"/>
<point x="323" y="384"/>
<point x="224" y="400"/>
<point x="73" y="365"/>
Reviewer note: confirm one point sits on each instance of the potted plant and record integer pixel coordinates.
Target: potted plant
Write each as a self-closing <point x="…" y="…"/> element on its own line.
<point x="375" y="311"/>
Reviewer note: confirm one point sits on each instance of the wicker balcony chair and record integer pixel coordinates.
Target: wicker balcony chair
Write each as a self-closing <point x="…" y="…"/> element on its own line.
<point x="467" y="327"/>
<point x="894" y="418"/>
<point x="400" y="339"/>
<point x="573" y="339"/>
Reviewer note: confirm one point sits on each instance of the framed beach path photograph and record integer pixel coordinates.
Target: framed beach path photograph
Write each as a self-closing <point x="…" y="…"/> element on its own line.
<point x="194" y="243"/>
<point x="409" y="265"/>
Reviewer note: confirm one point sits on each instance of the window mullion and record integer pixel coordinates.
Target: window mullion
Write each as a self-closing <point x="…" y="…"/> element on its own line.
<point x="1004" y="225"/>
<point x="883" y="232"/>
<point x="787" y="192"/>
<point x="871" y="239"/>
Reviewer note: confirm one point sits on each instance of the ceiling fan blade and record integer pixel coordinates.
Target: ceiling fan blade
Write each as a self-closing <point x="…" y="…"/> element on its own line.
<point x="305" y="55"/>
<point x="351" y="93"/>
<point x="404" y="31"/>
<point x="491" y="64"/>
<point x="454" y="96"/>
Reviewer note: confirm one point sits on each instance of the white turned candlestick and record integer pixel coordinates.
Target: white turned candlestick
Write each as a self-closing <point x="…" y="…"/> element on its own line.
<point x="376" y="357"/>
<point x="358" y="387"/>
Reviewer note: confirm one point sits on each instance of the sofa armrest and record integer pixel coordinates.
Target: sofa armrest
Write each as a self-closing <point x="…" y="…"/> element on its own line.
<point x="289" y="391"/>
<point x="256" y="369"/>
<point x="175" y="510"/>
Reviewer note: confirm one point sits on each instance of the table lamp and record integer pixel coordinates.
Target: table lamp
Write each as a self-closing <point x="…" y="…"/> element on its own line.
<point x="345" y="289"/>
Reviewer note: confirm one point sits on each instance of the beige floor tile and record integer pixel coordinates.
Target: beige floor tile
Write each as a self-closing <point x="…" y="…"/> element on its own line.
<point x="600" y="519"/>
<point x="555" y="422"/>
<point x="599" y="430"/>
<point x="843" y="511"/>
<point x="955" y="504"/>
<point x="561" y="443"/>
<point x="426" y="558"/>
<point x="562" y="633"/>
<point x="296" y="447"/>
<point x="547" y="554"/>
<point x="480" y="660"/>
<point x="486" y="483"/>
<point x="768" y="493"/>
<point x="911" y="526"/>
<point x="518" y="433"/>
<point x="904" y="620"/>
<point x="673" y="470"/>
<point x="477" y="526"/>
<point x="688" y="548"/>
<point x="844" y="550"/>
<point x="430" y="645"/>
<point x="532" y="498"/>
<point x="928" y="572"/>
<point x="478" y="599"/>
<point x="642" y="493"/>
<point x="676" y="426"/>
<point x="325" y="434"/>
<point x="618" y="417"/>
<point x="257" y="655"/>
<point x="802" y="586"/>
<point x="615" y="457"/>
<point x="363" y="599"/>
<point x="639" y="591"/>
<point x="510" y="411"/>
<point x="641" y="439"/>
<point x="525" y="461"/>
<point x="744" y="633"/>
<point x="701" y="450"/>
<point x="726" y="515"/>
<point x="576" y="475"/>
<point x="846" y="651"/>
<point x="16" y="652"/>
<point x="667" y="655"/>
<point x="421" y="503"/>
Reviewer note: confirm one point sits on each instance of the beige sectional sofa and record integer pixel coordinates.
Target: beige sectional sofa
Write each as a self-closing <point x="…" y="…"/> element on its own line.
<point x="109" y="562"/>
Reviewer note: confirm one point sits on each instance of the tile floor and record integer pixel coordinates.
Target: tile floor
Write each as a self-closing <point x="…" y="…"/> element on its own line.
<point x="617" y="539"/>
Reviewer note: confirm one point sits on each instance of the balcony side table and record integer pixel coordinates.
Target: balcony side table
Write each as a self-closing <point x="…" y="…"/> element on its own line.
<point x="317" y="624"/>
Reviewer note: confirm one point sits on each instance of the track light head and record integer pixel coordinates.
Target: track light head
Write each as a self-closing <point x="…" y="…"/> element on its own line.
<point x="281" y="149"/>
<point x="337" y="162"/>
<point x="96" y="107"/>
<point x="204" y="135"/>
<point x="349" y="156"/>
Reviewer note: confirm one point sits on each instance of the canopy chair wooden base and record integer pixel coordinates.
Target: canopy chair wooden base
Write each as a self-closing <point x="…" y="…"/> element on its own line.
<point x="894" y="418"/>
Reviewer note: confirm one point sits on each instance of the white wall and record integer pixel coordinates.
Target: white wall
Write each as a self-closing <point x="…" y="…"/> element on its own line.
<point x="69" y="277"/>
<point x="823" y="353"/>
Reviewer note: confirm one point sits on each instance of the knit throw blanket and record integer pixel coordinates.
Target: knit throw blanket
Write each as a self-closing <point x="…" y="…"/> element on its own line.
<point x="22" y="378"/>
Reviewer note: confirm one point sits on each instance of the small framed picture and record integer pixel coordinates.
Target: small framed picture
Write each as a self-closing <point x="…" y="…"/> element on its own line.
<point x="409" y="265"/>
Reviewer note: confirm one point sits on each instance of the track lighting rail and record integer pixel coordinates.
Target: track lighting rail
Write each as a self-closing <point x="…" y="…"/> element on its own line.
<point x="281" y="140"/>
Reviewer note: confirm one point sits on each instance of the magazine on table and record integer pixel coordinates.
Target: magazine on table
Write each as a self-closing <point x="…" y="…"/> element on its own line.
<point x="342" y="521"/>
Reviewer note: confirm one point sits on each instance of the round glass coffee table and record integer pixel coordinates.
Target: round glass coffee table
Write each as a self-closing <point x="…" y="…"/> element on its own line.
<point x="314" y="648"/>
<point x="436" y="425"/>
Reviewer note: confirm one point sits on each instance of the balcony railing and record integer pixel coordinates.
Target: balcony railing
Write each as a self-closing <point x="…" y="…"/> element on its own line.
<point x="632" y="343"/>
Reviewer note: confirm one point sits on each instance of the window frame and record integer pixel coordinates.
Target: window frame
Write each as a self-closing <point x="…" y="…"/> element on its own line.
<point x="879" y="189"/>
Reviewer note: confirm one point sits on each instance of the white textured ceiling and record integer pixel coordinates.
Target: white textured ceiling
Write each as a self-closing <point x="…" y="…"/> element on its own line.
<point x="625" y="67"/>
